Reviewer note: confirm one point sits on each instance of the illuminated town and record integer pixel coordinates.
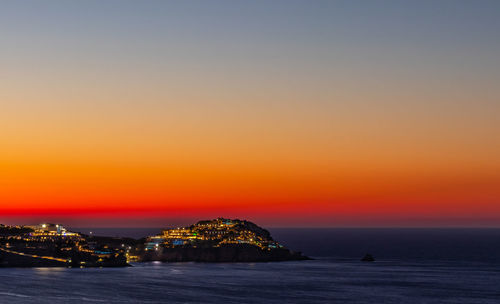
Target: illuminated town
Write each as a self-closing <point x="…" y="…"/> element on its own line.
<point x="53" y="245"/>
<point x="218" y="240"/>
<point x="214" y="233"/>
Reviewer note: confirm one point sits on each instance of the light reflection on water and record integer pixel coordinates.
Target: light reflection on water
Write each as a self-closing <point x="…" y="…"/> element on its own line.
<point x="318" y="281"/>
<point x="49" y="271"/>
<point x="413" y="266"/>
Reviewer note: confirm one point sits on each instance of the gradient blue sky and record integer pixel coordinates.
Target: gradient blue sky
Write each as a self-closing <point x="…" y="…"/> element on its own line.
<point x="309" y="113"/>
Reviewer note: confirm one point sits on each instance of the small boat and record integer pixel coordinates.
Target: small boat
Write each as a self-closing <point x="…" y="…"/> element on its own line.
<point x="368" y="258"/>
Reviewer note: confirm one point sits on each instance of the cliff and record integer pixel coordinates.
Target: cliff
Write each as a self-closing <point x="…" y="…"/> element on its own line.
<point x="8" y="259"/>
<point x="224" y="254"/>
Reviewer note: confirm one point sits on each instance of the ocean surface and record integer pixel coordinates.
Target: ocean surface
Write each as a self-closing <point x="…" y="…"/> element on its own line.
<point x="412" y="266"/>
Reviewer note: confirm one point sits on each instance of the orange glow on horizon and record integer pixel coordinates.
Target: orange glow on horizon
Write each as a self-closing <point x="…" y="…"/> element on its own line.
<point x="325" y="114"/>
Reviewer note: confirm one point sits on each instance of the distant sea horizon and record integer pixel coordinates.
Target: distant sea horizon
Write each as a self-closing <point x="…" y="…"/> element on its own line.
<point x="413" y="265"/>
<point x="405" y="244"/>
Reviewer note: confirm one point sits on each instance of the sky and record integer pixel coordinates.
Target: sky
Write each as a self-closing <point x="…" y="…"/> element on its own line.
<point x="286" y="113"/>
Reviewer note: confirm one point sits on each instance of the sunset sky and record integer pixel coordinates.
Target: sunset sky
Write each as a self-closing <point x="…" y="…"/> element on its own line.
<point x="286" y="113"/>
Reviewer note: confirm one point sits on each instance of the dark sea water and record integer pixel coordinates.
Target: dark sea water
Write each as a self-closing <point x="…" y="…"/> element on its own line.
<point x="413" y="266"/>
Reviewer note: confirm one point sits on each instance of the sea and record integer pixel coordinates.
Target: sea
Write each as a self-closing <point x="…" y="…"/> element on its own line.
<point x="411" y="266"/>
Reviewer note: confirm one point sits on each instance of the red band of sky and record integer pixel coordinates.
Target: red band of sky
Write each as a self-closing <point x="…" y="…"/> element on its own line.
<point x="325" y="114"/>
